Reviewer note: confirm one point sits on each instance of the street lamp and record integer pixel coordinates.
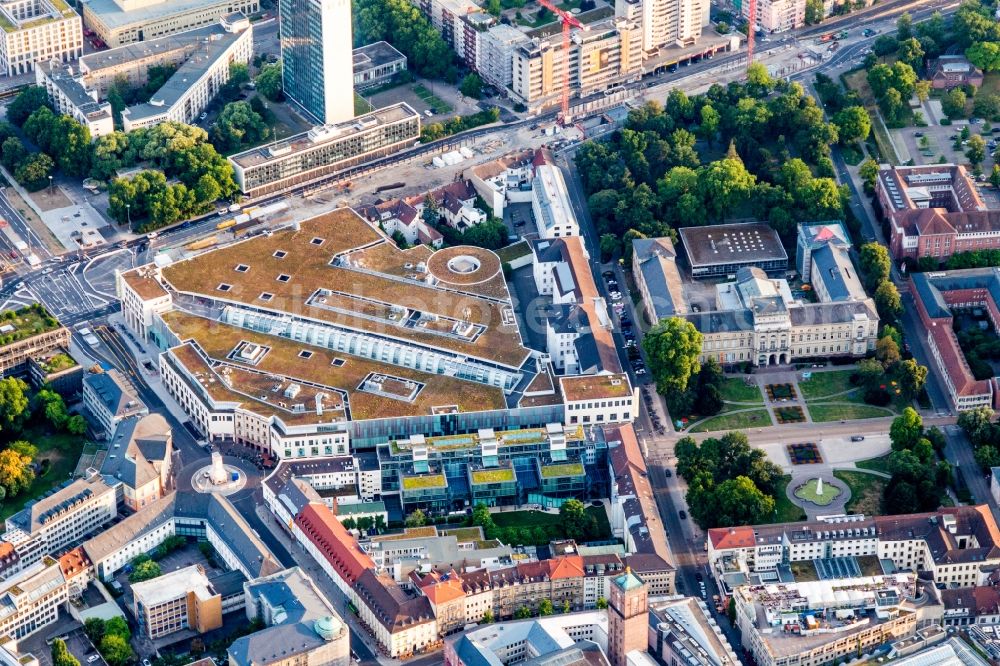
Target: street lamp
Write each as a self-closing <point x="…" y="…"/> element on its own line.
<point x="128" y="212"/>
<point x="50" y="184"/>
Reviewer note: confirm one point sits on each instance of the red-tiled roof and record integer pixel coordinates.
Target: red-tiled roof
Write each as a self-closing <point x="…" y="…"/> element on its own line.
<point x="74" y="562"/>
<point x="332" y="539"/>
<point x="723" y="538"/>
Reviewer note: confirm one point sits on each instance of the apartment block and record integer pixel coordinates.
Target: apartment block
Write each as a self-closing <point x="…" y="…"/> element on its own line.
<point x="121" y="22"/>
<point x="33" y="598"/>
<point x="665" y="24"/>
<point x="38" y="31"/>
<point x="778" y="15"/>
<point x="51" y="523"/>
<point x="824" y="621"/>
<point x="325" y="150"/>
<point x="955" y="546"/>
<point x="71" y="97"/>
<point x="495" y="56"/>
<point x="606" y="55"/>
<point x="178" y="600"/>
<point x="110" y="398"/>
<point x="27" y="333"/>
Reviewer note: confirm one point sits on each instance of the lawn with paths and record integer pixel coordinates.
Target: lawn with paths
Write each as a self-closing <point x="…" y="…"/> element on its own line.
<point x="752" y="418"/>
<point x="866" y="491"/>
<point x="825" y="384"/>
<point x="847" y="412"/>
<point x="734" y="389"/>
<point x="62" y="450"/>
<point x="785" y="510"/>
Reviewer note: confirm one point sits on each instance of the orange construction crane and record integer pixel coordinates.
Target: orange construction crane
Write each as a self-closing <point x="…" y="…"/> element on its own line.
<point x="751" y="32"/>
<point x="567" y="20"/>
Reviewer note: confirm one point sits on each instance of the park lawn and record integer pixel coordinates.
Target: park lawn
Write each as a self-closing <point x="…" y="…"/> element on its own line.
<point x="786" y="511"/>
<point x="822" y="384"/>
<point x="62" y="450"/>
<point x="734" y="390"/>
<point x="879" y="464"/>
<point x="361" y="105"/>
<point x="528" y="519"/>
<point x="845" y="412"/>
<point x="866" y="491"/>
<point x="754" y="418"/>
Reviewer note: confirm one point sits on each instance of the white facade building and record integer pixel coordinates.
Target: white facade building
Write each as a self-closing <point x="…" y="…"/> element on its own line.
<point x="37" y="31"/>
<point x="71" y="97"/>
<point x="550" y="203"/>
<point x="495" y="57"/>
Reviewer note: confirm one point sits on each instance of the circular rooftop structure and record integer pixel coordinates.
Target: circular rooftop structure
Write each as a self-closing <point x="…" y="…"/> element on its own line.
<point x="463" y="265"/>
<point x="328" y="627"/>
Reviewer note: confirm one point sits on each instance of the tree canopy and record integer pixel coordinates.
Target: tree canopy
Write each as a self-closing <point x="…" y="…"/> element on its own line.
<point x="673" y="346"/>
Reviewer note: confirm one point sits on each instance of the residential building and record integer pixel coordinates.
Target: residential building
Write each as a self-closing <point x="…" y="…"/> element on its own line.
<point x="110" y="399"/>
<point x="523" y="641"/>
<point x="301" y="626"/>
<point x="628" y="613"/>
<point x="721" y="249"/>
<point x="58" y="369"/>
<point x="177" y="600"/>
<point x="120" y="22"/>
<point x="416" y="550"/>
<point x="38" y="31"/>
<point x="398" y="216"/>
<point x="971" y="606"/>
<point x="401" y="624"/>
<point x="606" y="55"/>
<point x="936" y="295"/>
<point x="376" y="64"/>
<point x="139" y="458"/>
<point x="198" y="79"/>
<point x="780" y="622"/>
<point x="25" y="334"/>
<point x="635" y="517"/>
<point x="778" y="15"/>
<point x="495" y="56"/>
<point x="654" y="268"/>
<point x="665" y="23"/>
<point x="934" y="211"/>
<point x="955" y="546"/>
<point x="72" y="98"/>
<point x="950" y="71"/>
<point x="755" y="319"/>
<point x="329" y="543"/>
<point x="31" y="599"/>
<point x="683" y="630"/>
<point x="811" y="237"/>
<point x="325" y="150"/>
<point x="51" y="523"/>
<point x="447" y="17"/>
<point x="504" y="180"/>
<point x="550" y="202"/>
<point x="316" y="58"/>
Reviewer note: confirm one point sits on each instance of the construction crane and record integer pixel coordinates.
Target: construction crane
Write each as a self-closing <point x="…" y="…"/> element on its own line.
<point x="751" y="32"/>
<point x="567" y="20"/>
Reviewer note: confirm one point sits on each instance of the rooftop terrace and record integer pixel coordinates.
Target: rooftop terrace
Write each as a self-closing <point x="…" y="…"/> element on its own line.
<point x="29" y="321"/>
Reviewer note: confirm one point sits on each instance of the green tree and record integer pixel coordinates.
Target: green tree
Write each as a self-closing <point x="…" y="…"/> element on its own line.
<point x="904" y="26"/>
<point x="573" y="518"/>
<point x="887" y="351"/>
<point x="853" y="124"/>
<point x="487" y="617"/>
<point x="13" y="404"/>
<point x="237" y="126"/>
<point x="740" y="502"/>
<point x="875" y="264"/>
<point x="887" y="301"/>
<point x="869" y="173"/>
<point x="976" y="150"/>
<point x="906" y="430"/>
<point x="953" y="103"/>
<point x="472" y="86"/>
<point x="984" y="55"/>
<point x="15" y="473"/>
<point x="26" y="103"/>
<point x="268" y="81"/>
<point x="602" y="603"/>
<point x="144" y="571"/>
<point x="911" y="377"/>
<point x="870" y="373"/>
<point x="34" y="171"/>
<point x="416" y="519"/>
<point x="61" y="656"/>
<point x="566" y="606"/>
<point x="725" y="184"/>
<point x="115" y="650"/>
<point x="545" y="608"/>
<point x="673" y="346"/>
<point x="349" y="523"/>
<point x="522" y="613"/>
<point x="409" y="31"/>
<point x="922" y="89"/>
<point x="12" y="153"/>
<point x="609" y="245"/>
<point x="911" y="52"/>
<point x="814" y="12"/>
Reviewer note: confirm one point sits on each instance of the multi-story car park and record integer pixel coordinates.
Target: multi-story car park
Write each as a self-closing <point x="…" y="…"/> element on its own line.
<point x="36" y="31"/>
<point x="412" y="344"/>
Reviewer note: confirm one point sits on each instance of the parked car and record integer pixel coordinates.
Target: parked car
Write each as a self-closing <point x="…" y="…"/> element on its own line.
<point x="682" y="514"/>
<point x="858" y="438"/>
